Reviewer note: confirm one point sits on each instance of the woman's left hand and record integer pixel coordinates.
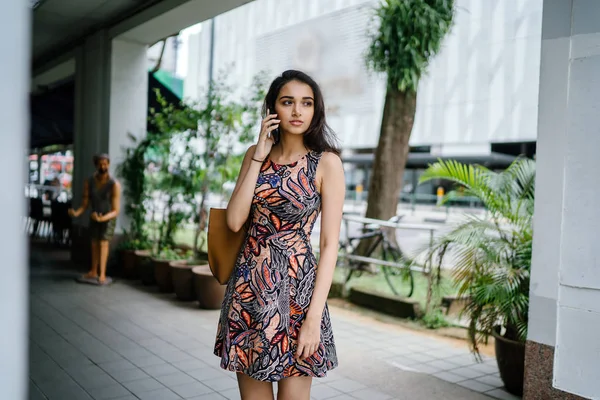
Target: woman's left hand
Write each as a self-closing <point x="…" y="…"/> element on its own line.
<point x="309" y="338"/>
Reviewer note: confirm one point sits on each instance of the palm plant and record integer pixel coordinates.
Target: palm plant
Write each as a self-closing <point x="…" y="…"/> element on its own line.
<point x="492" y="253"/>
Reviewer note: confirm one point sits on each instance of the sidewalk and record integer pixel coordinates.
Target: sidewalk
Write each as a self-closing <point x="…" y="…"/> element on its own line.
<point x="127" y="342"/>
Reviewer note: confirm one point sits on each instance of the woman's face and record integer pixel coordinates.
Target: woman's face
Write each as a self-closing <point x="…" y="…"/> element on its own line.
<point x="295" y="107"/>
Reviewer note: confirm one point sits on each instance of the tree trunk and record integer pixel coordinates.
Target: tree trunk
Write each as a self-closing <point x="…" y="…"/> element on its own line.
<point x="390" y="157"/>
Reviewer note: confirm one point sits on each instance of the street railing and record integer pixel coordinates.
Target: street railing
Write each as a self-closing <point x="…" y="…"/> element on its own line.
<point x="348" y="218"/>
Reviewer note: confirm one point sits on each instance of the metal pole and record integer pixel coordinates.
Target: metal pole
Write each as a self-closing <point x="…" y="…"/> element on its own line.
<point x="211" y="56"/>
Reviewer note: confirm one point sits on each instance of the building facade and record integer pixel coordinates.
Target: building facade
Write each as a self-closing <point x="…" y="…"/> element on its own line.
<point x="478" y="98"/>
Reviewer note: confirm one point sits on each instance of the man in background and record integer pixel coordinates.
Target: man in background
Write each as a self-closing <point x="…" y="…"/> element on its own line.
<point x="103" y="194"/>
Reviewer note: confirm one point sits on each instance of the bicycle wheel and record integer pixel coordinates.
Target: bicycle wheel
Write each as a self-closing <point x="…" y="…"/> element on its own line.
<point x="400" y="280"/>
<point x="343" y="262"/>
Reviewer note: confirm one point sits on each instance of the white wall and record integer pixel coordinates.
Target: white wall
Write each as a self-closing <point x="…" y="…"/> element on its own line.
<point x="169" y="59"/>
<point x="15" y="25"/>
<point x="482" y="87"/>
<point x="565" y="290"/>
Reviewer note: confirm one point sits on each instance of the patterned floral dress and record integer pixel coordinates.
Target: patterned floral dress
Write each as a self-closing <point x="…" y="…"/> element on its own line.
<point x="271" y="287"/>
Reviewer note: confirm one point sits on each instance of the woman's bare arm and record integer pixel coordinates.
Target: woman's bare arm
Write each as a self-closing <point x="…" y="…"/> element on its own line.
<point x="333" y="188"/>
<point x="239" y="205"/>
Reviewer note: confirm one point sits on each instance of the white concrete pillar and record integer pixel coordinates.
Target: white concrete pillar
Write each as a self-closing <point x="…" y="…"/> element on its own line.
<point x="565" y="283"/>
<point x="128" y="103"/>
<point x="578" y="323"/>
<point x="111" y="104"/>
<point x="552" y="117"/>
<point x="15" y="25"/>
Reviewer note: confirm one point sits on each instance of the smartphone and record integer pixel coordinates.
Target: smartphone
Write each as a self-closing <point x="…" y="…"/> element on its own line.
<point x="275" y="135"/>
<point x="275" y="132"/>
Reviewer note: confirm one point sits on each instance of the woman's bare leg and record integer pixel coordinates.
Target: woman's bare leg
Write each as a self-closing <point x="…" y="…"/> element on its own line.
<point x="251" y="389"/>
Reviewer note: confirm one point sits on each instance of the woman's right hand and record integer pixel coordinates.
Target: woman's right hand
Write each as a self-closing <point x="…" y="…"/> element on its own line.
<point x="265" y="139"/>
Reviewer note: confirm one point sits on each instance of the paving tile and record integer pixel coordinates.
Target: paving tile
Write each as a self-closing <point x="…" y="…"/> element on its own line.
<point x="476" y="386"/>
<point x="160" y="394"/>
<point x="109" y="392"/>
<point x="129" y="375"/>
<point x="426" y="368"/>
<point x="442" y="365"/>
<point x="467" y="372"/>
<point x="491" y="380"/>
<point x="116" y="366"/>
<point x="35" y="393"/>
<point x="175" y="356"/>
<point x="502" y="394"/>
<point x="147" y="361"/>
<point x="160" y="370"/>
<point x="402" y="361"/>
<point x="449" y="377"/>
<point x="208" y="396"/>
<point x="346" y="385"/>
<point x="178" y="378"/>
<point x="485" y="368"/>
<point x="66" y="390"/>
<point x="140" y="386"/>
<point x="96" y="381"/>
<point x="189" y="365"/>
<point x="218" y="384"/>
<point x="418" y="348"/>
<point x="209" y="373"/>
<point x="370" y="394"/>
<point x="462" y="360"/>
<point x="422" y="358"/>
<point x="324" y="392"/>
<point x="191" y="389"/>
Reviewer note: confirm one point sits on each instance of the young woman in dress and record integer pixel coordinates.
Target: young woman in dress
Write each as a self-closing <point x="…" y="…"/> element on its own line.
<point x="275" y="324"/>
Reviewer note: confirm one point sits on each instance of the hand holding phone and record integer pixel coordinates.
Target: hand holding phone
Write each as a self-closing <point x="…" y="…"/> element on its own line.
<point x="267" y="137"/>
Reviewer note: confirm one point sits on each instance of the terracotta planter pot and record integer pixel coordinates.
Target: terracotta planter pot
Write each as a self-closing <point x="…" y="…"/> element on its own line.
<point x="145" y="267"/>
<point x="162" y="275"/>
<point x="128" y="261"/>
<point x="183" y="278"/>
<point x="209" y="291"/>
<point x="510" y="356"/>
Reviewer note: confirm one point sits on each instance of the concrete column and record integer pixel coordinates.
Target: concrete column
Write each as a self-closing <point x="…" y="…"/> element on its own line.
<point x="15" y="25"/>
<point x="128" y="103"/>
<point x="111" y="104"/>
<point x="92" y="95"/>
<point x="563" y="348"/>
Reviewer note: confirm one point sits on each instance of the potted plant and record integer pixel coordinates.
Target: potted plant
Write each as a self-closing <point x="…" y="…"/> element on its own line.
<point x="492" y="257"/>
<point x="209" y="292"/>
<point x="128" y="250"/>
<point x="162" y="267"/>
<point x="183" y="278"/>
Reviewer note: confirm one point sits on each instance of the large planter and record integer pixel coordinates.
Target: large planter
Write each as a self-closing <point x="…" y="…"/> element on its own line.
<point x="162" y="275"/>
<point x="183" y="278"/>
<point x="510" y="356"/>
<point x="209" y="291"/>
<point x="128" y="261"/>
<point x="145" y="267"/>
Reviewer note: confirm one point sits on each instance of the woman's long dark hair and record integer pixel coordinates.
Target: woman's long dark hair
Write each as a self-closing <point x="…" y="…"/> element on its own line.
<point x="319" y="136"/>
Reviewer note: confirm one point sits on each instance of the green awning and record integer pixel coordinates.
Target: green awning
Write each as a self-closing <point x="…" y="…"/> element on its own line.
<point x="172" y="82"/>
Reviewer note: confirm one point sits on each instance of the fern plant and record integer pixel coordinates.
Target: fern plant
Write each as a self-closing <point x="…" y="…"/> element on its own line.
<point x="491" y="253"/>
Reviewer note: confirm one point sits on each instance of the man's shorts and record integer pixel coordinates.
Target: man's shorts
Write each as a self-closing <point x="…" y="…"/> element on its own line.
<point x="102" y="230"/>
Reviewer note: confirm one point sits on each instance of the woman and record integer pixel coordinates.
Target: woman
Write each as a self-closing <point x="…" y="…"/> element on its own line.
<point x="275" y="324"/>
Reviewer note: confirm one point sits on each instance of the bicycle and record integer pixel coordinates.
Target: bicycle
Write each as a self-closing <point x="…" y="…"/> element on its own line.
<point x="396" y="277"/>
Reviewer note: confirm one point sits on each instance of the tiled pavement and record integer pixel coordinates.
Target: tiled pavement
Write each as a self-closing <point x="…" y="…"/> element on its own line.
<point x="126" y="342"/>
